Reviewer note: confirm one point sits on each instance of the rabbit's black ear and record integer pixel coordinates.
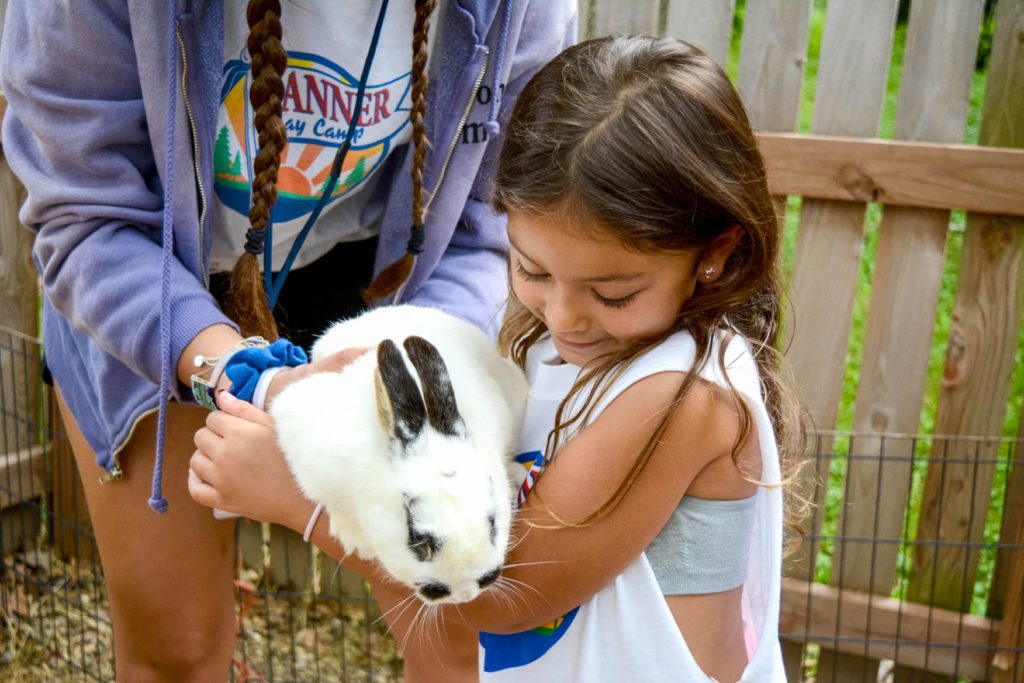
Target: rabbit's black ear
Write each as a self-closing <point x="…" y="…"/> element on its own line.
<point x="398" y="398"/>
<point x="438" y="394"/>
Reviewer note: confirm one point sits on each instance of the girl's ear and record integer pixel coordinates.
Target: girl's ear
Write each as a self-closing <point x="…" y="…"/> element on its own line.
<point x="712" y="261"/>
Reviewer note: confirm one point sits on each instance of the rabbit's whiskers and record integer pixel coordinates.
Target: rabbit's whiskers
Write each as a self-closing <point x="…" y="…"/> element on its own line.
<point x="507" y="593"/>
<point x="398" y="607"/>
<point x="530" y="564"/>
<point x="521" y="585"/>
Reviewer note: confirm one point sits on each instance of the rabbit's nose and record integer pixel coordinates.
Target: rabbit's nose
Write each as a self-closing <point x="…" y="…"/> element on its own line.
<point x="488" y="578"/>
<point x="435" y="591"/>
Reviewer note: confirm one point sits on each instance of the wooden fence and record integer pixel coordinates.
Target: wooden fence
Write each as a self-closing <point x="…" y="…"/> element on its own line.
<point x="911" y="526"/>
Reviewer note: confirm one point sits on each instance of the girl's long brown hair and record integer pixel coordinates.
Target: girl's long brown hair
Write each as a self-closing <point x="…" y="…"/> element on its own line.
<point x="646" y="139"/>
<point x="246" y="300"/>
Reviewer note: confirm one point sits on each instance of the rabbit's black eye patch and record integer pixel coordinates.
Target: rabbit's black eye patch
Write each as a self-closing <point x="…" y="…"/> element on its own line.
<point x="424" y="545"/>
<point x="489" y="578"/>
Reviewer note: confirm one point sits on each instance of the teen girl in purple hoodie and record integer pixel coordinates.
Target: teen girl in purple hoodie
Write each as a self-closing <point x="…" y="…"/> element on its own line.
<point x="147" y="136"/>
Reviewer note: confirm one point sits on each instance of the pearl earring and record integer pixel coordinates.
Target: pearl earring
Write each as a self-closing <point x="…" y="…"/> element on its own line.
<point x="709" y="273"/>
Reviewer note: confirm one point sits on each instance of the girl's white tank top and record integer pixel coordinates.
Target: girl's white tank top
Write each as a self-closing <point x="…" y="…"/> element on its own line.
<point x="626" y="632"/>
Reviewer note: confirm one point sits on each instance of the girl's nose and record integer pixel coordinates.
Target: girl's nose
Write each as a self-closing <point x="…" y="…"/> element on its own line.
<point x="562" y="314"/>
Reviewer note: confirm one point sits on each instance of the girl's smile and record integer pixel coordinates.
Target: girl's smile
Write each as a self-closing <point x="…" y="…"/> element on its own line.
<point x="594" y="295"/>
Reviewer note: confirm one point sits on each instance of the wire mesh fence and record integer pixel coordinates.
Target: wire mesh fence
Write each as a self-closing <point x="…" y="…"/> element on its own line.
<point x="913" y="563"/>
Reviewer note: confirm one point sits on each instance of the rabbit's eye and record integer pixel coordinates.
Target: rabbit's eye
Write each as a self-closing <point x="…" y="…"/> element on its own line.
<point x="424" y="545"/>
<point x="494" y="529"/>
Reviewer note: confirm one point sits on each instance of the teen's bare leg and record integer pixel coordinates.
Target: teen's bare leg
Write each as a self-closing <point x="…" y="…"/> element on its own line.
<point x="169" y="576"/>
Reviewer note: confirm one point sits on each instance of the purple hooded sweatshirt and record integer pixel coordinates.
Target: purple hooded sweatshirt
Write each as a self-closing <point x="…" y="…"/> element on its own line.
<point x="117" y="156"/>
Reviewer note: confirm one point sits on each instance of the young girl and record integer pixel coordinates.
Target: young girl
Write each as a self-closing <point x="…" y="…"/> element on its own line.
<point x="644" y="309"/>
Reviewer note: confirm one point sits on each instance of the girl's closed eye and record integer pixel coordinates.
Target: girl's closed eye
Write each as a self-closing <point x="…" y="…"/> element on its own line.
<point x="527" y="275"/>
<point x="616" y="302"/>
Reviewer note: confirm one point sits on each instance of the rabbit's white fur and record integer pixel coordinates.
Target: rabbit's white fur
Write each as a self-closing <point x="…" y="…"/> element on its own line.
<point x="381" y="494"/>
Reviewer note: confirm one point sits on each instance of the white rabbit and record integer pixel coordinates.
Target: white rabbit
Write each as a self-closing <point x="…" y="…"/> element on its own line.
<point x="409" y="447"/>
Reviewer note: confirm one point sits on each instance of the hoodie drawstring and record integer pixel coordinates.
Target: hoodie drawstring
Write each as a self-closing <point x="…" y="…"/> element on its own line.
<point x="491" y="125"/>
<point x="157" y="500"/>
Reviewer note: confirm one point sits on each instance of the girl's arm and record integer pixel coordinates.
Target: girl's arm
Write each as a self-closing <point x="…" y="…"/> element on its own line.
<point x="552" y="569"/>
<point x="558" y="567"/>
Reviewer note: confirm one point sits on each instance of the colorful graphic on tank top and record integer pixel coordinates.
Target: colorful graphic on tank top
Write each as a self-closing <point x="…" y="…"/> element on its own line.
<point x="319" y="97"/>
<point x="505" y="651"/>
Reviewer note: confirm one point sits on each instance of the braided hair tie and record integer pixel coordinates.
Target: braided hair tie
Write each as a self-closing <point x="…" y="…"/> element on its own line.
<point x="254" y="241"/>
<point x="415" y="245"/>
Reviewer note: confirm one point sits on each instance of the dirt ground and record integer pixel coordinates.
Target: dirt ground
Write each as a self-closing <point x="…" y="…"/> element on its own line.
<point x="55" y="626"/>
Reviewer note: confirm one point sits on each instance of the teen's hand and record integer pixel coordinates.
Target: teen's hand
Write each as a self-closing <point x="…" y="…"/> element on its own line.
<point x="238" y="467"/>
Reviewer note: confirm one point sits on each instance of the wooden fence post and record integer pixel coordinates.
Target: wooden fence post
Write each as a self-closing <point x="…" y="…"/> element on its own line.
<point x="613" y="17"/>
<point x="980" y="357"/>
<point x="852" y="73"/>
<point x="934" y="90"/>
<point x="704" y="23"/>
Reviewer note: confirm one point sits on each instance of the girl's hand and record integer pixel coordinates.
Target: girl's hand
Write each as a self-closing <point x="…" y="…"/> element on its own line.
<point x="238" y="467"/>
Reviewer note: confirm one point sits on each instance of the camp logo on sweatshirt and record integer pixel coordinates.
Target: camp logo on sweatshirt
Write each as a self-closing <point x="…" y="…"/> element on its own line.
<point x="318" y="104"/>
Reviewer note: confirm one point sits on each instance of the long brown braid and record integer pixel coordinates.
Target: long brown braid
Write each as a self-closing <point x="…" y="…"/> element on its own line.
<point x="391" y="278"/>
<point x="247" y="302"/>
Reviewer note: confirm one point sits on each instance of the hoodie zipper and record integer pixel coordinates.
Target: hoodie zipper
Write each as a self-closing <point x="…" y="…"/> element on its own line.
<point x="195" y="154"/>
<point x="115" y="473"/>
<point x="458" y="130"/>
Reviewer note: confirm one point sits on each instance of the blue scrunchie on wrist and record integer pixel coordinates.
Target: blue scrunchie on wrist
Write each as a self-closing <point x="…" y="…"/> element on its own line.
<point x="245" y="367"/>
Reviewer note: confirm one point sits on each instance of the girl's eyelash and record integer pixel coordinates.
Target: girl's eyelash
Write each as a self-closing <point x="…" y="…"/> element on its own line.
<point x="615" y="303"/>
<point x="527" y="275"/>
<point x="610" y="303"/>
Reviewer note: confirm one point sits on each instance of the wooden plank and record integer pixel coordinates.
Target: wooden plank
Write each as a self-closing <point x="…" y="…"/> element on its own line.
<point x="911" y="635"/>
<point x="772" y="58"/>
<point x="250" y="545"/>
<point x="912" y="174"/>
<point x="853" y="67"/>
<point x="584" y="9"/>
<point x="904" y="297"/>
<point x="291" y="560"/>
<point x="980" y="356"/>
<point x="851" y="86"/>
<point x="613" y="17"/>
<point x="704" y="23"/>
<point x="21" y="476"/>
